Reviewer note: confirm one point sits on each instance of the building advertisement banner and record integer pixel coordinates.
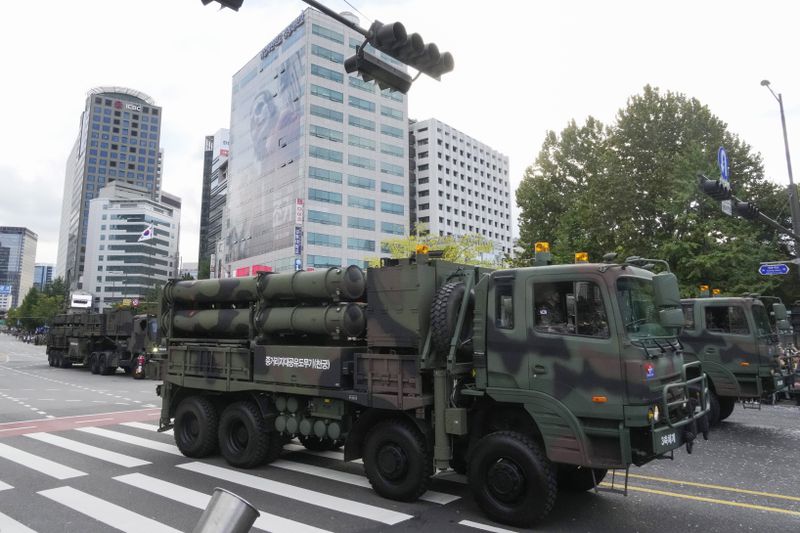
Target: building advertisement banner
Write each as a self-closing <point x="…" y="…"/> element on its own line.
<point x="298" y="240"/>
<point x="5" y="289"/>
<point x="261" y="268"/>
<point x="242" y="272"/>
<point x="298" y="212"/>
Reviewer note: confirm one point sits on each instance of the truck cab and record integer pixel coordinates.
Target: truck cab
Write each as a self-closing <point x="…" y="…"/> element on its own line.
<point x="739" y="351"/>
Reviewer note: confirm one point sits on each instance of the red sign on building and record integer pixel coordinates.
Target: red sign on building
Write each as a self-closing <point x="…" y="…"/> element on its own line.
<point x="261" y="268"/>
<point x="242" y="272"/>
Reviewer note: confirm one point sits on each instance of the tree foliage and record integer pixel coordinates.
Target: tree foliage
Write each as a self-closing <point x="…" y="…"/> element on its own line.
<point x="39" y="307"/>
<point x="472" y="248"/>
<point x="631" y="188"/>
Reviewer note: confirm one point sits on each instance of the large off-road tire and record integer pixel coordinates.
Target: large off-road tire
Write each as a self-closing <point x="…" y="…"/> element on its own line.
<point x="244" y="437"/>
<point x="94" y="363"/>
<point x="196" y="423"/>
<point x="63" y="362"/>
<point x="511" y="478"/>
<point x="714" y="412"/>
<point x="397" y="461"/>
<point x="726" y="406"/>
<point x="573" y="478"/>
<point x="50" y="359"/>
<point x="444" y="317"/>
<point x="105" y="368"/>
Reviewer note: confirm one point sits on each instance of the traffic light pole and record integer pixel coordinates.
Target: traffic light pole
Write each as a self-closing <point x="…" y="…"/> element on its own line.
<point x="336" y="16"/>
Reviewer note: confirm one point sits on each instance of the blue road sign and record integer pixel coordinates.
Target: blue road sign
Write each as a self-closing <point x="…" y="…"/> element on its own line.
<point x="773" y="270"/>
<point x="722" y="161"/>
<point x="298" y="264"/>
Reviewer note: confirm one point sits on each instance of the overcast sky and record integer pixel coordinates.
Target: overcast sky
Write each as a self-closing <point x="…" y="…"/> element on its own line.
<point x="522" y="68"/>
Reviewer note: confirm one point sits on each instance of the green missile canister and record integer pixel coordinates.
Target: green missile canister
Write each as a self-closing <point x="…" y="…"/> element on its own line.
<point x="338" y="320"/>
<point x="333" y="284"/>
<point x="196" y="293"/>
<point x="211" y="323"/>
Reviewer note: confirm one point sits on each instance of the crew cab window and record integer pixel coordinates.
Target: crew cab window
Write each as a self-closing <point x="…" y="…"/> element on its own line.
<point x="504" y="310"/>
<point x="688" y="316"/>
<point x="570" y="307"/>
<point x="726" y="319"/>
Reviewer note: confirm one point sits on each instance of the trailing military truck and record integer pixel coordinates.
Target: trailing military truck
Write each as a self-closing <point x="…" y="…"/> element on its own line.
<point x="529" y="379"/>
<point x="739" y="351"/>
<point x="103" y="342"/>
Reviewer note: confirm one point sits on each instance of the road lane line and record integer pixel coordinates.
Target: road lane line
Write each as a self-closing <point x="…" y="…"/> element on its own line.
<point x="93" y="420"/>
<point x="485" y="527"/>
<point x="716" y="487"/>
<point x="131" y="439"/>
<point x="5" y="486"/>
<point x="319" y="499"/>
<point x="17" y="428"/>
<point x="710" y="500"/>
<point x="199" y="500"/>
<point x="40" y="464"/>
<point x="106" y="512"/>
<point x="9" y="525"/>
<point x="432" y="496"/>
<point x="87" y="449"/>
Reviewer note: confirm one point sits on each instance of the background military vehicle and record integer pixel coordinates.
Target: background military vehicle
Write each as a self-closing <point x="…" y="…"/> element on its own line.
<point x="530" y="379"/>
<point x="103" y="342"/>
<point x="739" y="351"/>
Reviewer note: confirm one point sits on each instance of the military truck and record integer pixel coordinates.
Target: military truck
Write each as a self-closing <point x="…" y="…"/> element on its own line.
<point x="103" y="342"/>
<point x="529" y="379"/>
<point x="739" y="351"/>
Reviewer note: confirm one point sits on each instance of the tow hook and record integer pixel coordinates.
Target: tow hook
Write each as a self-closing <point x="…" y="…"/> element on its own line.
<point x="688" y="438"/>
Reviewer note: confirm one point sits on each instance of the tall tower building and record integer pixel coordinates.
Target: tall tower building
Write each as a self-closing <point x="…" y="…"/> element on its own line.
<point x="318" y="162"/>
<point x="42" y="275"/>
<point x="17" y="256"/>
<point x="215" y="191"/>
<point x="461" y="185"/>
<point x="119" y="139"/>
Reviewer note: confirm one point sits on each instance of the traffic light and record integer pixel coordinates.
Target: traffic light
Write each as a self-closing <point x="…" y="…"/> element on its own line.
<point x="716" y="189"/>
<point x="392" y="39"/>
<point x="746" y="210"/>
<point x="372" y="68"/>
<point x="230" y="4"/>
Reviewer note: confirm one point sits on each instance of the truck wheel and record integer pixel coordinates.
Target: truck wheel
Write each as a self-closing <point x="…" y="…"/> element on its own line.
<point x="511" y="478"/>
<point x="94" y="365"/>
<point x="196" y="423"/>
<point x="275" y="448"/>
<point x="243" y="435"/>
<point x="50" y="359"/>
<point x="63" y="362"/>
<point x="444" y="316"/>
<point x="726" y="406"/>
<point x="397" y="461"/>
<point x="579" y="478"/>
<point x="713" y="414"/>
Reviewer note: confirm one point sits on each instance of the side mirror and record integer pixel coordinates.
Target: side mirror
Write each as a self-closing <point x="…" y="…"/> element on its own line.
<point x="665" y="291"/>
<point x="671" y="318"/>
<point x="780" y="311"/>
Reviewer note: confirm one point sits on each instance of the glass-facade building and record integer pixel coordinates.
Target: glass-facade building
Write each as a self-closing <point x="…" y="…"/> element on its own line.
<point x="42" y="275"/>
<point x="318" y="162"/>
<point x="118" y="139"/>
<point x="17" y="260"/>
<point x="215" y="192"/>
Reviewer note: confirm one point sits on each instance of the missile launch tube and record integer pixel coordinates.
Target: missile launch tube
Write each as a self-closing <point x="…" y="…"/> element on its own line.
<point x="335" y="283"/>
<point x="192" y="293"/>
<point x="345" y="319"/>
<point x="211" y="323"/>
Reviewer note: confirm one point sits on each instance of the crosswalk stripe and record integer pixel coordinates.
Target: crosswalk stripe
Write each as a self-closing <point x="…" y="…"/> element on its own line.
<point x="86" y="449"/>
<point x="104" y="511"/>
<point x="5" y="486"/>
<point x="285" y="490"/>
<point x="484" y="527"/>
<point x="328" y="454"/>
<point x="132" y="439"/>
<point x="40" y="464"/>
<point x="146" y="427"/>
<point x="352" y="479"/>
<point x="199" y="500"/>
<point x="9" y="525"/>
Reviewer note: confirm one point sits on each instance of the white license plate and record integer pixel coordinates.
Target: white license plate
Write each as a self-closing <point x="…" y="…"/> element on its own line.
<point x="669" y="439"/>
<point x="779" y="383"/>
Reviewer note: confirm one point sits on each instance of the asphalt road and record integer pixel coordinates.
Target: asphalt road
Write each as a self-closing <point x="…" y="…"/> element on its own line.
<point x="99" y="465"/>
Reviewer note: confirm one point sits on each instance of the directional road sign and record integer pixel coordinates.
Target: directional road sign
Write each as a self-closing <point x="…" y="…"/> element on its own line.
<point x="773" y="270"/>
<point x="722" y="160"/>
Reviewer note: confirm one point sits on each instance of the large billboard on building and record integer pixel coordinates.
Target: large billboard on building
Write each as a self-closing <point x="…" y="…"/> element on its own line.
<point x="266" y="122"/>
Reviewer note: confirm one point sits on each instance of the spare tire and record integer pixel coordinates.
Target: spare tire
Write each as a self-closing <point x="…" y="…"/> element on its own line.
<point x="444" y="317"/>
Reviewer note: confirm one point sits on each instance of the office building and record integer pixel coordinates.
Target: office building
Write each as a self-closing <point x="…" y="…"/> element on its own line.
<point x="118" y="140"/>
<point x="461" y="185"/>
<point x="215" y="190"/>
<point x="318" y="162"/>
<point x="42" y="275"/>
<point x="17" y="256"/>
<point x="121" y="262"/>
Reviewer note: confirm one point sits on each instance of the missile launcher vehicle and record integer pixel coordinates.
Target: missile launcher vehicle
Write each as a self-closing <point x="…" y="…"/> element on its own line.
<point x="529" y="379"/>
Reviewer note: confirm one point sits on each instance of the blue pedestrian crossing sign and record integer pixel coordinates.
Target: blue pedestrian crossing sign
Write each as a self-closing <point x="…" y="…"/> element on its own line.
<point x="773" y="270"/>
<point x="722" y="161"/>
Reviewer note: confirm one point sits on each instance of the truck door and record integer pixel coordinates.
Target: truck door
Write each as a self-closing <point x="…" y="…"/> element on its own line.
<point x="507" y="342"/>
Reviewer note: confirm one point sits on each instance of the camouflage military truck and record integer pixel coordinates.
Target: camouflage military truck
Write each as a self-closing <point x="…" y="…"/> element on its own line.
<point x="739" y="351"/>
<point x="103" y="341"/>
<point x="530" y="379"/>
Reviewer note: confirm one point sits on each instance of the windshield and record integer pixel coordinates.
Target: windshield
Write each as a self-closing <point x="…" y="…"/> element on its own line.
<point x="761" y="319"/>
<point x="638" y="308"/>
<point x="152" y="330"/>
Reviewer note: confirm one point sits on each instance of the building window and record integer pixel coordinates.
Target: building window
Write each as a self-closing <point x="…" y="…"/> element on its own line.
<point x="326" y="133"/>
<point x="361" y="183"/>
<point x="327" y="73"/>
<point x="360" y="103"/>
<point x="325" y="196"/>
<point x="323" y="261"/>
<point x="324" y="53"/>
<point x="366" y="245"/>
<point x="321" y="217"/>
<point x="361" y="142"/>
<point x="328" y="94"/>
<point x="392" y="131"/>
<point x="362" y="85"/>
<point x="323" y="239"/>
<point x="324" y="175"/>
<point x="329" y="34"/>
<point x="391" y="149"/>
<point x="361" y="162"/>
<point x="392" y="228"/>
<point x="394" y="170"/>
<point x="324" y="112"/>
<point x="360" y="202"/>
<point x="325" y="153"/>
<point x="361" y="223"/>
<point x="362" y="123"/>
<point x="392" y="208"/>
<point x="391" y="112"/>
<point x="392" y="188"/>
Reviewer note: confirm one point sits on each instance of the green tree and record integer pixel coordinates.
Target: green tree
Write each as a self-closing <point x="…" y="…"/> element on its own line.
<point x="472" y="248"/>
<point x="631" y="188"/>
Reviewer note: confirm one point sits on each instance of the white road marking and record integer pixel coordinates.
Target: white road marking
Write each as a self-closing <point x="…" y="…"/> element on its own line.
<point x="342" y="505"/>
<point x="485" y="527"/>
<point x="9" y="525"/>
<point x="131" y="439"/>
<point x="5" y="486"/>
<point x="17" y="428"/>
<point x="40" y="464"/>
<point x="87" y="449"/>
<point x="199" y="500"/>
<point x="146" y="427"/>
<point x="106" y="512"/>
<point x="93" y="420"/>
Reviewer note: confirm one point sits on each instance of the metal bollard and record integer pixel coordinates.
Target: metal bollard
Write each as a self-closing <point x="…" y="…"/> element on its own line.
<point x="226" y="513"/>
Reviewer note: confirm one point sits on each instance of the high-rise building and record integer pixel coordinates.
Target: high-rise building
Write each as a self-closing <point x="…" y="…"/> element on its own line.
<point x="42" y="275"/>
<point x="123" y="259"/>
<point x="119" y="139"/>
<point x="215" y="190"/>
<point x="17" y="256"/>
<point x="318" y="162"/>
<point x="461" y="184"/>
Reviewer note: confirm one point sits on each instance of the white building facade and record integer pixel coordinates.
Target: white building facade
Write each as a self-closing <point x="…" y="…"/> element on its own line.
<point x="118" y="265"/>
<point x="461" y="185"/>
